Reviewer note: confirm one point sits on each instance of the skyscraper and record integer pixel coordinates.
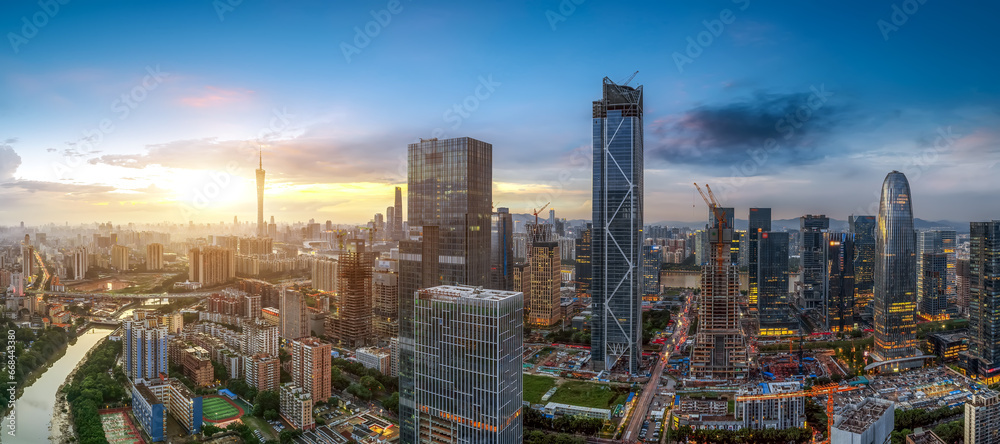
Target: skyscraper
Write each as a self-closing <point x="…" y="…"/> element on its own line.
<point x="311" y="367"/>
<point x="584" y="273"/>
<point x="145" y="346"/>
<point x="720" y="350"/>
<point x="154" y="256"/>
<point x="261" y="228"/>
<point x="542" y="307"/>
<point x="895" y="303"/>
<point x="397" y="215"/>
<point x="652" y="258"/>
<point x="772" y="283"/>
<point x="983" y="358"/>
<point x="813" y="262"/>
<point x="350" y="323"/>
<point x="385" y="288"/>
<point x="292" y="312"/>
<point x="467" y="371"/>
<point x="759" y="222"/>
<point x="839" y="282"/>
<point x="933" y="285"/>
<point x="449" y="206"/>
<point x="616" y="332"/>
<point x="863" y="229"/>
<point x="932" y="242"/>
<point x="502" y="243"/>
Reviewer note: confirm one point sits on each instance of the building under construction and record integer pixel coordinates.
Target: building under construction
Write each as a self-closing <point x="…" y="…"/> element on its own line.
<point x="720" y="348"/>
<point x="350" y="321"/>
<point x="870" y="421"/>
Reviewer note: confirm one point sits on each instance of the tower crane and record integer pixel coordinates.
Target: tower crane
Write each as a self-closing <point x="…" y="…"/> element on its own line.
<point x="817" y="391"/>
<point x="539" y="211"/>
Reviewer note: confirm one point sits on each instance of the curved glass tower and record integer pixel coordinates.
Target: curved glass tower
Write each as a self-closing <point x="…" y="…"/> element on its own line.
<point x="895" y="272"/>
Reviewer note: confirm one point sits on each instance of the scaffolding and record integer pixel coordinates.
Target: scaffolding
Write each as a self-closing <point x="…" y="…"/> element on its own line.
<point x="350" y="320"/>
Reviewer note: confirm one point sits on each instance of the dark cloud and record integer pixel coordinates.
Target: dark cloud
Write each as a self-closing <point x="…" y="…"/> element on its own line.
<point x="798" y="125"/>
<point x="9" y="160"/>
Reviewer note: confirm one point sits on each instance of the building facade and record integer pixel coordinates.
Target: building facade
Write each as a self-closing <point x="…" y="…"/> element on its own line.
<point x="759" y="222"/>
<point x="982" y="418"/>
<point x="863" y="229"/>
<point x="772" y="283"/>
<point x="584" y="269"/>
<point x="502" y="244"/>
<point x="145" y="346"/>
<point x="350" y="320"/>
<point x="385" y="292"/>
<point x="839" y="282"/>
<point x="813" y="262"/>
<point x="616" y="326"/>
<point x="720" y="349"/>
<point x="468" y="365"/>
<point x="154" y="256"/>
<point x="311" y="362"/>
<point x="983" y="360"/>
<point x="542" y="307"/>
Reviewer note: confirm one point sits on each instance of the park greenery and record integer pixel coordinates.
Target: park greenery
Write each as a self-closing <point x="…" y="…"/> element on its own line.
<point x="533" y="419"/>
<point x="33" y="351"/>
<point x="653" y="321"/>
<point x="95" y="386"/>
<point x="742" y="436"/>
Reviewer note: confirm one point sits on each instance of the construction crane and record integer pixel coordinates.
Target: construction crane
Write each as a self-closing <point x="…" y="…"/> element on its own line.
<point x="816" y="391"/>
<point x="539" y="211"/>
<point x="629" y="79"/>
<point x="720" y="222"/>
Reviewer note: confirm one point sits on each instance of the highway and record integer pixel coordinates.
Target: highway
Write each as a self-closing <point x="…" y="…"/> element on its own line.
<point x="641" y="409"/>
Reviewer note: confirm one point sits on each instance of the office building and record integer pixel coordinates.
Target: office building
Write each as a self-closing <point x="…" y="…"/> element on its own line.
<point x="895" y="303"/>
<point x="947" y="346"/>
<point x="839" y="282"/>
<point x="863" y="229"/>
<point x="933" y="242"/>
<point x="983" y="360"/>
<point x="584" y="271"/>
<point x="350" y="319"/>
<point x="292" y="315"/>
<point x="81" y="263"/>
<point x="813" y="261"/>
<point x="933" y="285"/>
<point x="324" y="274"/>
<point x="870" y="421"/>
<point x="263" y="371"/>
<point x="652" y="258"/>
<point x="119" y="257"/>
<point x="397" y="215"/>
<point x="542" y="308"/>
<point x="962" y="291"/>
<point x="27" y="258"/>
<point x="776" y="413"/>
<point x="385" y="291"/>
<point x="311" y="367"/>
<point x="772" y="282"/>
<point x="296" y="406"/>
<point x="759" y="222"/>
<point x="154" y="256"/>
<point x="449" y="207"/>
<point x="145" y="346"/>
<point x="720" y="349"/>
<point x="616" y="332"/>
<point x="982" y="418"/>
<point x="261" y="229"/>
<point x="467" y="369"/>
<point x="502" y="244"/>
<point x="211" y="265"/>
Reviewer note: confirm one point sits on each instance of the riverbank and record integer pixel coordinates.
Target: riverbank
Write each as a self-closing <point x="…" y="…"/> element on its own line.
<point x="61" y="426"/>
<point x="38" y="372"/>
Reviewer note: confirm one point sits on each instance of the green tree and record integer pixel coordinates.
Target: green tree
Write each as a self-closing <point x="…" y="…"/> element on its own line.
<point x="266" y="400"/>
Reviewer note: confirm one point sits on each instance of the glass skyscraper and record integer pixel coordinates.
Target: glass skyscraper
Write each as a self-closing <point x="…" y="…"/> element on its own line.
<point x="895" y="273"/>
<point x="840" y="282"/>
<point x="616" y="327"/>
<point x="933" y="242"/>
<point x="933" y="285"/>
<point x="983" y="358"/>
<point x="863" y="229"/>
<point x="813" y="263"/>
<point x="652" y="257"/>
<point x="467" y="365"/>
<point x="772" y="283"/>
<point x="449" y="207"/>
<point x="759" y="222"/>
<point x="502" y="244"/>
<point x="584" y="273"/>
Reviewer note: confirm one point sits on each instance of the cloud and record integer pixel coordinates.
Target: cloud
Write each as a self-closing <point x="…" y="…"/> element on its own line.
<point x="718" y="136"/>
<point x="213" y="96"/>
<point x="69" y="189"/>
<point x="9" y="160"/>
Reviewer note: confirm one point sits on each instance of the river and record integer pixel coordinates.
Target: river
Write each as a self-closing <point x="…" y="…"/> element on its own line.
<point x="33" y="410"/>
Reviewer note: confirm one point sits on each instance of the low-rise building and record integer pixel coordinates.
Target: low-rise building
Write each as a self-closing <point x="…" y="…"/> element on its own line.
<point x="947" y="345"/>
<point x="375" y="358"/>
<point x="270" y="314"/>
<point x="870" y="421"/>
<point x="772" y="413"/>
<point x="554" y="408"/>
<point x="924" y="437"/>
<point x="151" y="399"/>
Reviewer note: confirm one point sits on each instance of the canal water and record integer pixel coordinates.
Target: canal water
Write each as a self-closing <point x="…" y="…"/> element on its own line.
<point x="32" y="414"/>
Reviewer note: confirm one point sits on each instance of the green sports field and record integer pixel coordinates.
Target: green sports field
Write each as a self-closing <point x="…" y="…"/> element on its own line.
<point x="216" y="409"/>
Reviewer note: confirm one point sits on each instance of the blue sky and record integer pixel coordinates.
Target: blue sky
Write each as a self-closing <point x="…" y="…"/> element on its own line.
<point x="153" y="111"/>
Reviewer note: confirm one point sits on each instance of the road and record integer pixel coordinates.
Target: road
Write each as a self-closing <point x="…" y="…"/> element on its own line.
<point x="641" y="409"/>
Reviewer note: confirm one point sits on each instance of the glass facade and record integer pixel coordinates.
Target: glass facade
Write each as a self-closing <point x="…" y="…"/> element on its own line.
<point x="840" y="282"/>
<point x="984" y="299"/>
<point x="933" y="284"/>
<point x="772" y="277"/>
<point x="502" y="244"/>
<point x="895" y="303"/>
<point x="467" y="365"/>
<point x="931" y="242"/>
<point x="759" y="222"/>
<point x="813" y="263"/>
<point x="584" y="273"/>
<point x="449" y="208"/>
<point x="863" y="229"/>
<point x="652" y="257"/>
<point x="616" y="331"/>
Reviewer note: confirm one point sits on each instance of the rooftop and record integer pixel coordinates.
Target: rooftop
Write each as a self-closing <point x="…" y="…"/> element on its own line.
<point x="860" y="418"/>
<point x="448" y="292"/>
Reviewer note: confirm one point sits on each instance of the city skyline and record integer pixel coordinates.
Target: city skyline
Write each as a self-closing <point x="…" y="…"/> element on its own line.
<point x="191" y="119"/>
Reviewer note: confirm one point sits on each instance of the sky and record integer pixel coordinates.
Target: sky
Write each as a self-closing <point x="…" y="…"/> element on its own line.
<point x="156" y="111"/>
